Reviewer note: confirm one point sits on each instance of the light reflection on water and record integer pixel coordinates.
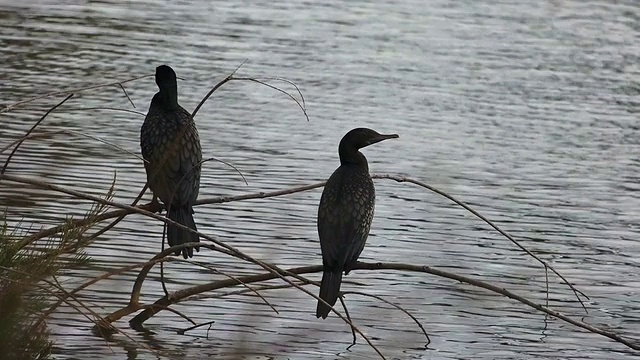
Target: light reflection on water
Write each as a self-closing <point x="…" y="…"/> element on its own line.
<point x="527" y="111"/>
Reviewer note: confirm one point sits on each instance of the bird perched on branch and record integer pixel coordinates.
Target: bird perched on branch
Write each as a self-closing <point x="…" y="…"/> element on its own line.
<point x="171" y="147"/>
<point x="345" y="213"/>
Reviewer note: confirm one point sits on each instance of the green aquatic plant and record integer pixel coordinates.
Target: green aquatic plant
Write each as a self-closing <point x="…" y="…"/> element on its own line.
<point x="29" y="285"/>
<point x="19" y="302"/>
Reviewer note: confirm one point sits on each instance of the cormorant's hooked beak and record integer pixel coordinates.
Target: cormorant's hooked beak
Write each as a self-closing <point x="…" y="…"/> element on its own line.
<point x="381" y="137"/>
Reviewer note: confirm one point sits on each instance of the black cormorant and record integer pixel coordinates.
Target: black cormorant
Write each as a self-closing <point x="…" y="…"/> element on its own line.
<point x="171" y="147"/>
<point x="345" y="213"/>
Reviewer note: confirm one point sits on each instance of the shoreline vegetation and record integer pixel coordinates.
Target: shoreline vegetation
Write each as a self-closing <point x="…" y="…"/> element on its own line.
<point x="31" y="262"/>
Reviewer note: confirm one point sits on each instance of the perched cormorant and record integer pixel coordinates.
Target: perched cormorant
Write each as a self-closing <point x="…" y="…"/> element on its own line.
<point x="345" y="213"/>
<point x="171" y="147"/>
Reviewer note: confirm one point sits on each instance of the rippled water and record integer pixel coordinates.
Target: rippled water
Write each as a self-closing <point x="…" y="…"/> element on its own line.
<point x="526" y="110"/>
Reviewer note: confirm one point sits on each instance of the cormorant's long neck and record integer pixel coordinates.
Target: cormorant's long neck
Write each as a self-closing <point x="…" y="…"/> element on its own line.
<point x="349" y="155"/>
<point x="167" y="97"/>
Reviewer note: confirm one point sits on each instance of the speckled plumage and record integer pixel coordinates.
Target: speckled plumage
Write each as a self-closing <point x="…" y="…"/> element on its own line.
<point x="344" y="216"/>
<point x="345" y="213"/>
<point x="171" y="147"/>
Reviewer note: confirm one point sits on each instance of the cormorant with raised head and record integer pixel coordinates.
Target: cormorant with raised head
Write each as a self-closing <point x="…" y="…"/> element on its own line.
<point x="171" y="147"/>
<point x="345" y="213"/>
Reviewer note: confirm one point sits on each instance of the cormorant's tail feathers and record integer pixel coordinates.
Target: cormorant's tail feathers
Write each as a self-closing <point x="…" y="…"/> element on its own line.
<point x="329" y="292"/>
<point x="176" y="235"/>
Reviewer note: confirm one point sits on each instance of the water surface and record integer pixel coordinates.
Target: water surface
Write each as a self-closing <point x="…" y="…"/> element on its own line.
<point x="526" y="110"/>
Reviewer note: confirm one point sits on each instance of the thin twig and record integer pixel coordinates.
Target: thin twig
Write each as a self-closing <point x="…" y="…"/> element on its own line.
<point x="246" y="292"/>
<point x="47" y="134"/>
<point x="126" y="94"/>
<point x="66" y="92"/>
<point x="346" y="311"/>
<point x="304" y="104"/>
<point x="94" y="280"/>
<point x="301" y="106"/>
<point x="251" y="288"/>
<point x="6" y="163"/>
<point x="395" y="306"/>
<point x="173" y="311"/>
<point x="108" y="108"/>
<point x="546" y="277"/>
<point x="107" y="143"/>
<point x="162" y="280"/>
<point x="231" y="76"/>
<point x="216" y="87"/>
<point x="229" y="165"/>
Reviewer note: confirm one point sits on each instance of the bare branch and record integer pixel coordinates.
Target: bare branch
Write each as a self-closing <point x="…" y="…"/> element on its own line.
<point x="346" y="311"/>
<point x="184" y="293"/>
<point x="182" y="331"/>
<point x="165" y="301"/>
<point x="216" y="87"/>
<point x="126" y="94"/>
<point x="395" y="306"/>
<point x="47" y="134"/>
<point x="247" y="292"/>
<point x="402" y="179"/>
<point x="261" y="195"/>
<point x="304" y="104"/>
<point x="158" y="207"/>
<point x="229" y="165"/>
<point x="94" y="280"/>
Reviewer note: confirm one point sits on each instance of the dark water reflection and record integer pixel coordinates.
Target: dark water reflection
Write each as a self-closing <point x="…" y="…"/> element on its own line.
<point x="526" y="110"/>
